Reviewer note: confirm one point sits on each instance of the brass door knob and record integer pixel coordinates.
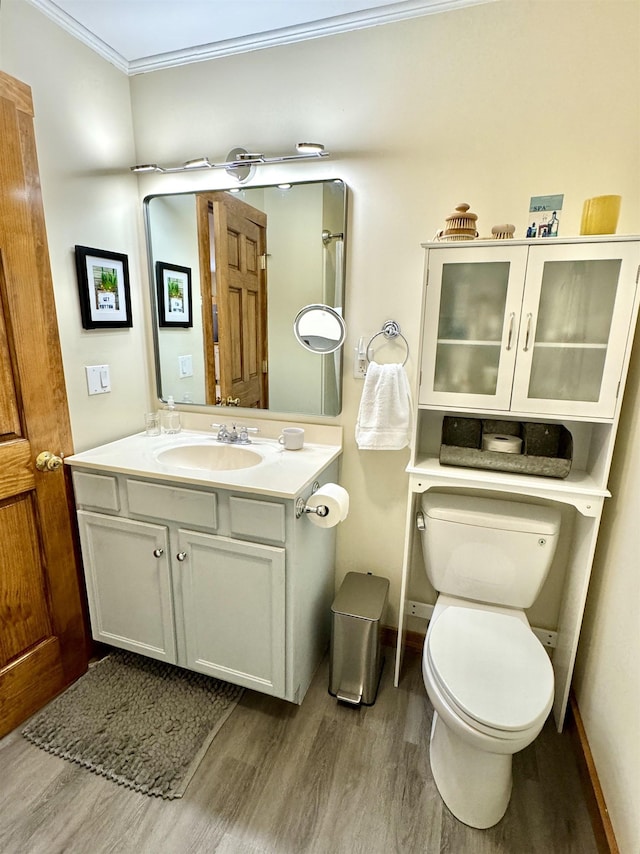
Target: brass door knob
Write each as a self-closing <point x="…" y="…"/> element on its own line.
<point x="46" y="461"/>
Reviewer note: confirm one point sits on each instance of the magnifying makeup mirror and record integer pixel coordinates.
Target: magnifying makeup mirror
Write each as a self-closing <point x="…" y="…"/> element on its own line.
<point x="319" y="328"/>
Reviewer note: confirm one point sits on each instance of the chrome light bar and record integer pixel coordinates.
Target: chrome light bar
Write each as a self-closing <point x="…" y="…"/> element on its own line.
<point x="240" y="163"/>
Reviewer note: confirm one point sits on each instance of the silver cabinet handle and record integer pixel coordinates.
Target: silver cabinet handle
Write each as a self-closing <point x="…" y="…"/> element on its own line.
<point x="158" y="552"/>
<point x="181" y="556"/>
<point x="526" y="340"/>
<point x="512" y="317"/>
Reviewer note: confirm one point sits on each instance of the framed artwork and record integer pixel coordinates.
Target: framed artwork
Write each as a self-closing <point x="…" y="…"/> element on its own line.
<point x="174" y="295"/>
<point x="103" y="284"/>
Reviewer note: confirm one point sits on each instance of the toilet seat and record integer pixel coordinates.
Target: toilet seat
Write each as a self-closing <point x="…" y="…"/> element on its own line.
<point x="492" y="669"/>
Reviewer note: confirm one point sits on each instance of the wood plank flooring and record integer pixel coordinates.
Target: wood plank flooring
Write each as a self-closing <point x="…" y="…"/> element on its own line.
<point x="281" y="779"/>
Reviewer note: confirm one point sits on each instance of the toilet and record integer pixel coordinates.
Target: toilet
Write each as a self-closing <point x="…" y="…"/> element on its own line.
<point x="487" y="675"/>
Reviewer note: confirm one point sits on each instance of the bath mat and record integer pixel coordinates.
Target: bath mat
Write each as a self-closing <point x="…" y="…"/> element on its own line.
<point x="140" y="722"/>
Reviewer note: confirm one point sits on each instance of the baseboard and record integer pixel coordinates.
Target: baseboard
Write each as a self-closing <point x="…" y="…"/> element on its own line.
<point x="414" y="641"/>
<point x="600" y="821"/>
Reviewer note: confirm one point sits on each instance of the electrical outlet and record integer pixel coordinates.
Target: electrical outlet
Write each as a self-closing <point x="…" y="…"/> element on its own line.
<point x="359" y="361"/>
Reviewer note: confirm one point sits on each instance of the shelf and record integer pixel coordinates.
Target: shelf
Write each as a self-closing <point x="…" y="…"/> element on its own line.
<point x="578" y="488"/>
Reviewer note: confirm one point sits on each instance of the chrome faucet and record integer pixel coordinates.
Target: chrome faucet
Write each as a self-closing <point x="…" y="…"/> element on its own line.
<point x="237" y="435"/>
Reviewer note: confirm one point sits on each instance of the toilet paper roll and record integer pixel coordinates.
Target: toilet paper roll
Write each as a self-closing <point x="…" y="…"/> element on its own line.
<point x="499" y="442"/>
<point x="335" y="498"/>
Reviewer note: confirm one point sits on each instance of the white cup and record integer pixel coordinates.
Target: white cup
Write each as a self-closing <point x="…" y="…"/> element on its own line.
<point x="292" y="438"/>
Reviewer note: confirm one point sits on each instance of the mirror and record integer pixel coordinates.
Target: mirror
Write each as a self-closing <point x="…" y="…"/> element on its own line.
<point x="319" y="328"/>
<point x="242" y="272"/>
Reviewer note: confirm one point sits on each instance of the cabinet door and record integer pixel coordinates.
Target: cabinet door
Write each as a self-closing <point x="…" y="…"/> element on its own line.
<point x="577" y="304"/>
<point x="472" y="312"/>
<point x="233" y="603"/>
<point x="128" y="584"/>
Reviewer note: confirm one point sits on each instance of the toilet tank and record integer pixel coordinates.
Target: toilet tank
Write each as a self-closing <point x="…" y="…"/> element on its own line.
<point x="488" y="550"/>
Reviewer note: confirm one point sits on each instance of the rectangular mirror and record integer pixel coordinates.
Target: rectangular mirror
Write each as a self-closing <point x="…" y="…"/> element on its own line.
<point x="230" y="271"/>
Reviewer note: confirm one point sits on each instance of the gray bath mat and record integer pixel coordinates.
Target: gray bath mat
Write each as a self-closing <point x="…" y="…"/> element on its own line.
<point x="140" y="722"/>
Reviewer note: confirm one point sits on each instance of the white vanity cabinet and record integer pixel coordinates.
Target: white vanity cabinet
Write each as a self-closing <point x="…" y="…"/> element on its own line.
<point x="536" y="332"/>
<point x="231" y="585"/>
<point x="528" y="328"/>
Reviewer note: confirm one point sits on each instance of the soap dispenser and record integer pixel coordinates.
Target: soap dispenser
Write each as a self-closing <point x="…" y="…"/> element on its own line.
<point x="171" y="417"/>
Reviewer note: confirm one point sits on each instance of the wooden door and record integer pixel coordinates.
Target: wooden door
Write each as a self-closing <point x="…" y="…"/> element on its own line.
<point x="43" y="642"/>
<point x="236" y="263"/>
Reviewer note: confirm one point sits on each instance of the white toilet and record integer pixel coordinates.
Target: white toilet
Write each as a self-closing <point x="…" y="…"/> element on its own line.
<point x="487" y="675"/>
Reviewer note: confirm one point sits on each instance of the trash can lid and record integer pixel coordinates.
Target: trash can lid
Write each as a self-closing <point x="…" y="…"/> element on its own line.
<point x="362" y="595"/>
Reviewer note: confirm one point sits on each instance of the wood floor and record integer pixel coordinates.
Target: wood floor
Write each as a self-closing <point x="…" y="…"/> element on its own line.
<point x="283" y="779"/>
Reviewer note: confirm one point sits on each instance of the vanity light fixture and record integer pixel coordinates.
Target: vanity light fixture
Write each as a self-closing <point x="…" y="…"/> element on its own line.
<point x="240" y="163"/>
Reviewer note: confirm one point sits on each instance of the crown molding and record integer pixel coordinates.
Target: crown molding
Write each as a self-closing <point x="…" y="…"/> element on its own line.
<point x="273" y="38"/>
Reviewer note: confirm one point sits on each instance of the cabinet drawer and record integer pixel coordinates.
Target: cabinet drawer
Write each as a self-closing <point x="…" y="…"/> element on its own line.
<point x="263" y="520"/>
<point x="185" y="506"/>
<point x="96" y="490"/>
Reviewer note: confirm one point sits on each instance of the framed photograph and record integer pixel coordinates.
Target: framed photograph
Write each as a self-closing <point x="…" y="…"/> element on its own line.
<point x="103" y="283"/>
<point x="174" y="295"/>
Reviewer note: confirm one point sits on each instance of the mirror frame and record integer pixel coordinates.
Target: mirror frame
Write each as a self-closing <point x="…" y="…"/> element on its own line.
<point x="336" y="355"/>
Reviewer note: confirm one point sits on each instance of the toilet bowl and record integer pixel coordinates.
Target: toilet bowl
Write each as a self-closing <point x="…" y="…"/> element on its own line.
<point x="487" y="675"/>
<point x="491" y="684"/>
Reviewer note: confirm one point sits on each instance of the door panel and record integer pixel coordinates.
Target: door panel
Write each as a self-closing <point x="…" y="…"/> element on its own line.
<point x="569" y="355"/>
<point x="472" y="313"/>
<point x="44" y="643"/>
<point x="233" y="595"/>
<point x="239" y="290"/>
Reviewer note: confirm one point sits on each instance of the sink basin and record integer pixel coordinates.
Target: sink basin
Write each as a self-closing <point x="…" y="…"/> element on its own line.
<point x="210" y="457"/>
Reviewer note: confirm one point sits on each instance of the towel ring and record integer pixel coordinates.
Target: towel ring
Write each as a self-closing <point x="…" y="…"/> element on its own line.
<point x="390" y="330"/>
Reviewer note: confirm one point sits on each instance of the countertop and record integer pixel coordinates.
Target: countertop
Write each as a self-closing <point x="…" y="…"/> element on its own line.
<point x="282" y="473"/>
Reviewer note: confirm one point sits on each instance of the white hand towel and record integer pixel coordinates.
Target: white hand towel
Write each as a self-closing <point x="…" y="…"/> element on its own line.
<point x="384" y="418"/>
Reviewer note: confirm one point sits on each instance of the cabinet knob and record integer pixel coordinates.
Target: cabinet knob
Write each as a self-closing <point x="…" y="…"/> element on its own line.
<point x="158" y="552"/>
<point x="181" y="556"/>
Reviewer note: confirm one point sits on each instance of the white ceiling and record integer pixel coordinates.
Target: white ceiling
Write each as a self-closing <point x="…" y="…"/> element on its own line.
<point x="145" y="35"/>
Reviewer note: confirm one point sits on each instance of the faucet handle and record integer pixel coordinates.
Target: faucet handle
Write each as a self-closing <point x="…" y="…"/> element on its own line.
<point x="243" y="434"/>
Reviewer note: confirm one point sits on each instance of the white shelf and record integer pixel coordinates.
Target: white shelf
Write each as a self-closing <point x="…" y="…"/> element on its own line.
<point x="577" y="483"/>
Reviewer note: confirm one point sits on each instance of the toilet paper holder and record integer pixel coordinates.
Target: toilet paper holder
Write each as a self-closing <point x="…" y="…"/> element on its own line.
<point x="302" y="507"/>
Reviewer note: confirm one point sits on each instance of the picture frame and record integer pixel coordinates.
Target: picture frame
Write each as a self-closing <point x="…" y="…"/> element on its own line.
<point x="173" y="284"/>
<point x="103" y="287"/>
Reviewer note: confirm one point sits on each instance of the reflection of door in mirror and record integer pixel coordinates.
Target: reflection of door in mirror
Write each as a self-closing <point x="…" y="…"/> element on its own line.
<point x="232" y="247"/>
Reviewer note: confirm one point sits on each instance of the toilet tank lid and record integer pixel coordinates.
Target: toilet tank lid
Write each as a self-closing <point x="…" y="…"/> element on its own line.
<point x="492" y="513"/>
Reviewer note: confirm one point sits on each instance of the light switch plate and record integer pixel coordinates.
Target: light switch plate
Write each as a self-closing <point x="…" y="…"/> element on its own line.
<point x="185" y="366"/>
<point x="98" y="379"/>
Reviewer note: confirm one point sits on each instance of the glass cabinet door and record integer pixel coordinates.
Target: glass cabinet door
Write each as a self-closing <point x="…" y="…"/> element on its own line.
<point x="573" y="331"/>
<point x="472" y="314"/>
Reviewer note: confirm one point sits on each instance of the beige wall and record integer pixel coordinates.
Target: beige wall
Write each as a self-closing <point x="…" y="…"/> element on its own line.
<point x="84" y="135"/>
<point x="488" y="105"/>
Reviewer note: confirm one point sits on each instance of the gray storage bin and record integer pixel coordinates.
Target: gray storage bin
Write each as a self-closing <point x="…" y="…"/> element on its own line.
<point x="356" y="660"/>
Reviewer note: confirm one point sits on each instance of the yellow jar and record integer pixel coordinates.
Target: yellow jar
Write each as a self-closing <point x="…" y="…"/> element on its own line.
<point x="600" y="215"/>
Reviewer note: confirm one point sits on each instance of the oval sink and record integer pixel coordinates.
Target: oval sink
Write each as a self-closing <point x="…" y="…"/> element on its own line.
<point x="210" y="457"/>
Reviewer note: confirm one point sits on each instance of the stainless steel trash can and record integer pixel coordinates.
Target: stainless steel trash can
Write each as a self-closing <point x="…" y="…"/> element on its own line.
<point x="356" y="660"/>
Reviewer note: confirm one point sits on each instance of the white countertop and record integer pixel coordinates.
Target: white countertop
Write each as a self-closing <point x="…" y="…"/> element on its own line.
<point x="282" y="473"/>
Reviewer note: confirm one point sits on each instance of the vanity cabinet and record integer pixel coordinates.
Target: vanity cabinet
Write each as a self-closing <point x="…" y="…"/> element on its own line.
<point x="538" y="329"/>
<point x="225" y="584"/>
<point x="525" y="331"/>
